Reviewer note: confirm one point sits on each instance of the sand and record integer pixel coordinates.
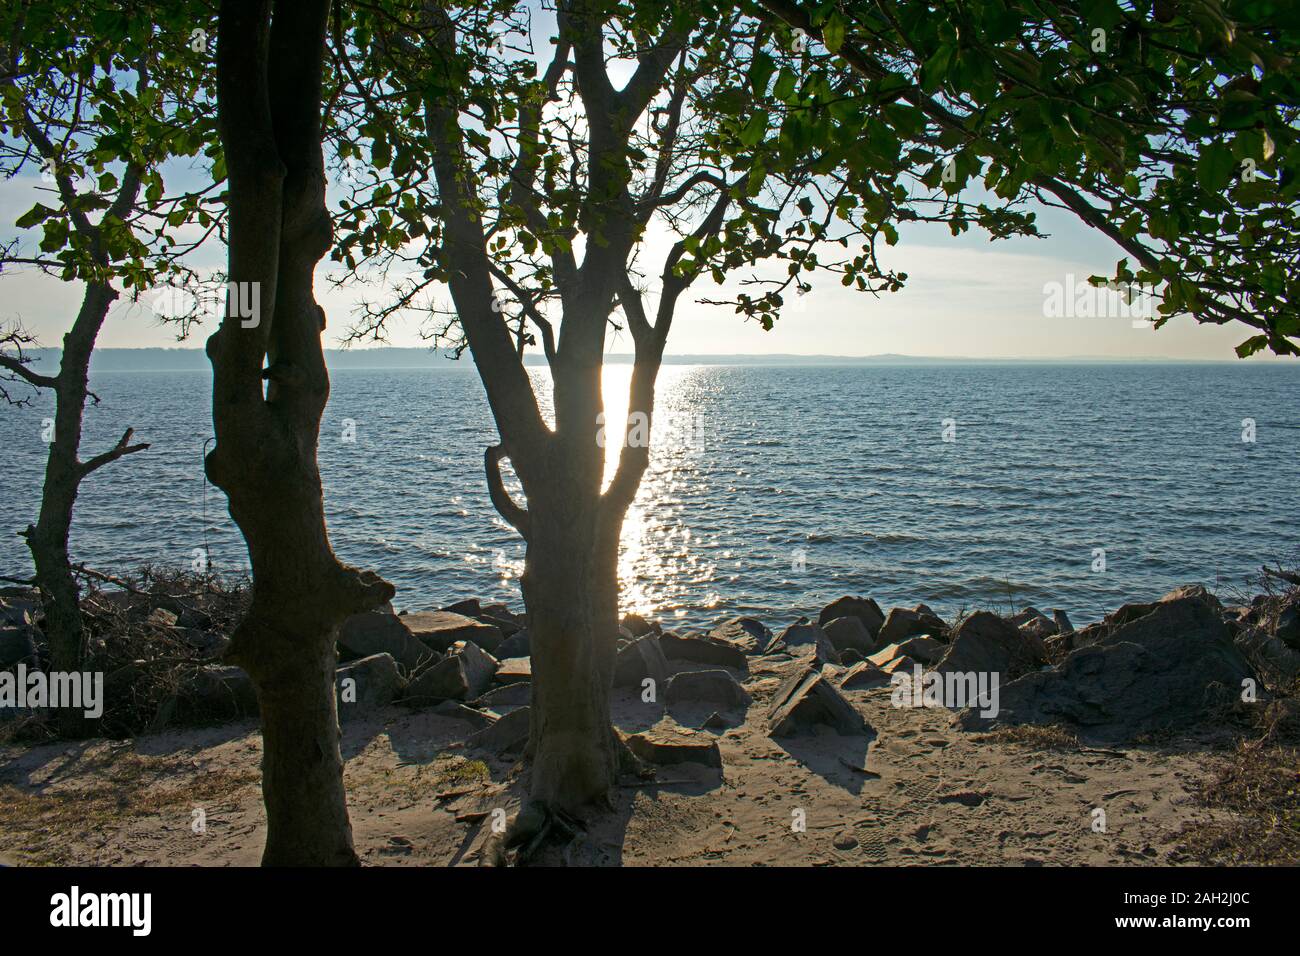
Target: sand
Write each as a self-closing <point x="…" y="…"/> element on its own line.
<point x="917" y="792"/>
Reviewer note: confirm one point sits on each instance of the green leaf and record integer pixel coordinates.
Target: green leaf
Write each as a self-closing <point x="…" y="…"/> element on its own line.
<point x="833" y="33"/>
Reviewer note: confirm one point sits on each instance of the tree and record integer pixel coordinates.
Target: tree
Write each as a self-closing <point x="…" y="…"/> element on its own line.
<point x="781" y="132"/>
<point x="99" y="98"/>
<point x="1168" y="125"/>
<point x="267" y="417"/>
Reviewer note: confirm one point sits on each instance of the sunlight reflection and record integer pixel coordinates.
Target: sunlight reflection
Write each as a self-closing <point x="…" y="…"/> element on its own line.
<point x="659" y="570"/>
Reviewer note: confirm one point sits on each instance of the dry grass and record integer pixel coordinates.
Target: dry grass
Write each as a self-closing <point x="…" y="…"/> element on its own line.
<point x="1256" y="791"/>
<point x="104" y="792"/>
<point x="1032" y="737"/>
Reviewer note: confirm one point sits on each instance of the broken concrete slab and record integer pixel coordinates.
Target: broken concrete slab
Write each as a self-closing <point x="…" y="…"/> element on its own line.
<point x="806" y="700"/>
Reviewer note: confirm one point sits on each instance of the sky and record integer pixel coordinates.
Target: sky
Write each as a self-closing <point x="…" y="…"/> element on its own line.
<point x="965" y="297"/>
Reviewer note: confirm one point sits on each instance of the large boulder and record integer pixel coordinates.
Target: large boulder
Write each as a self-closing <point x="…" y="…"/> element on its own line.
<point x="1173" y="666"/>
<point x="673" y="745"/>
<point x="638" y="626"/>
<point x="367" y="685"/>
<point x="465" y="673"/>
<point x="865" y="675"/>
<point x="1035" y="623"/>
<point x="518" y="644"/>
<point x="505" y="734"/>
<point x="745" y="633"/>
<point x="1273" y="656"/>
<point x="641" y="658"/>
<point x="506" y="696"/>
<point x="849" y="634"/>
<point x="903" y="623"/>
<point x="514" y="670"/>
<point x="864" y="609"/>
<point x="703" y="650"/>
<point x="987" y="644"/>
<point x="218" y="691"/>
<point x="382" y="632"/>
<point x="924" y="649"/>
<point x="716" y="687"/>
<point x="807" y="700"/>
<point x="1286" y="623"/>
<point x="805" y="640"/>
<point x="441" y="629"/>
<point x="17" y="645"/>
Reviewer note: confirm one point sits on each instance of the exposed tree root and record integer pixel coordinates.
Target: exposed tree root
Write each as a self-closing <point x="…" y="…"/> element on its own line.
<point x="533" y="828"/>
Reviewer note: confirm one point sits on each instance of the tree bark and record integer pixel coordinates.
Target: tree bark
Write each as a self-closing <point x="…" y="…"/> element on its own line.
<point x="48" y="539"/>
<point x="570" y="590"/>
<point x="269" y="65"/>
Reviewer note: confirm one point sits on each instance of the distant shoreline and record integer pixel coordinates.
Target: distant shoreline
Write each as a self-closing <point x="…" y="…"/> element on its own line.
<point x="188" y="359"/>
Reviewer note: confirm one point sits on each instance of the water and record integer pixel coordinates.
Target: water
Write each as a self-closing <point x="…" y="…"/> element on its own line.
<point x="841" y="469"/>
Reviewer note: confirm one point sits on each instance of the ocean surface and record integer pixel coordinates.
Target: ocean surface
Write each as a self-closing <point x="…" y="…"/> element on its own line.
<point x="772" y="490"/>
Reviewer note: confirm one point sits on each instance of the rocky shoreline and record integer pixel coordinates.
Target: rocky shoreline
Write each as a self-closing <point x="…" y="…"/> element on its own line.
<point x="1172" y="663"/>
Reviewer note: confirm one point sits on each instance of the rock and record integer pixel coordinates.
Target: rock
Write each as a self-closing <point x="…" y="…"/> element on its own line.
<point x="1025" y="616"/>
<point x="805" y="640"/>
<point x="465" y="673"/>
<point x="380" y="632"/>
<point x="17" y="645"/>
<point x="849" y="633"/>
<point x="901" y="663"/>
<point x="844" y="840"/>
<point x="501" y="612"/>
<point x="864" y="609"/>
<point x="715" y="722"/>
<point x="441" y="629"/>
<point x="806" y="700"/>
<point x="1273" y="656"/>
<point x="506" y="696"/>
<point x="987" y="644"/>
<point x="902" y="624"/>
<point x="638" y="626"/>
<point x="924" y="649"/>
<point x="1062" y="622"/>
<point x="1196" y="591"/>
<point x="641" y="658"/>
<point x="501" y="736"/>
<point x="517" y="644"/>
<point x="192" y="617"/>
<point x="467" y="608"/>
<point x="1173" y="666"/>
<point x="219" y="691"/>
<point x="1040" y="627"/>
<point x="375" y="683"/>
<point x="205" y="642"/>
<point x="514" y="670"/>
<point x="702" y="650"/>
<point x="849" y="657"/>
<point x="717" y="687"/>
<point x="751" y="636"/>
<point x="673" y="745"/>
<point x="864" y="676"/>
<point x="474" y="716"/>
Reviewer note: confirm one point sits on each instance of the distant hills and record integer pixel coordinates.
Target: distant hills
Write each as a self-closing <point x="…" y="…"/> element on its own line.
<point x="180" y="359"/>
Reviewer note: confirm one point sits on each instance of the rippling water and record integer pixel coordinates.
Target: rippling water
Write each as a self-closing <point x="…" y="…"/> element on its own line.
<point x="772" y="490"/>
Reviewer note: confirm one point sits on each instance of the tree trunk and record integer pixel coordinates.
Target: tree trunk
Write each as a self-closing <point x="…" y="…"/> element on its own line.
<point x="48" y="538"/>
<point x="570" y="590"/>
<point x="267" y="419"/>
